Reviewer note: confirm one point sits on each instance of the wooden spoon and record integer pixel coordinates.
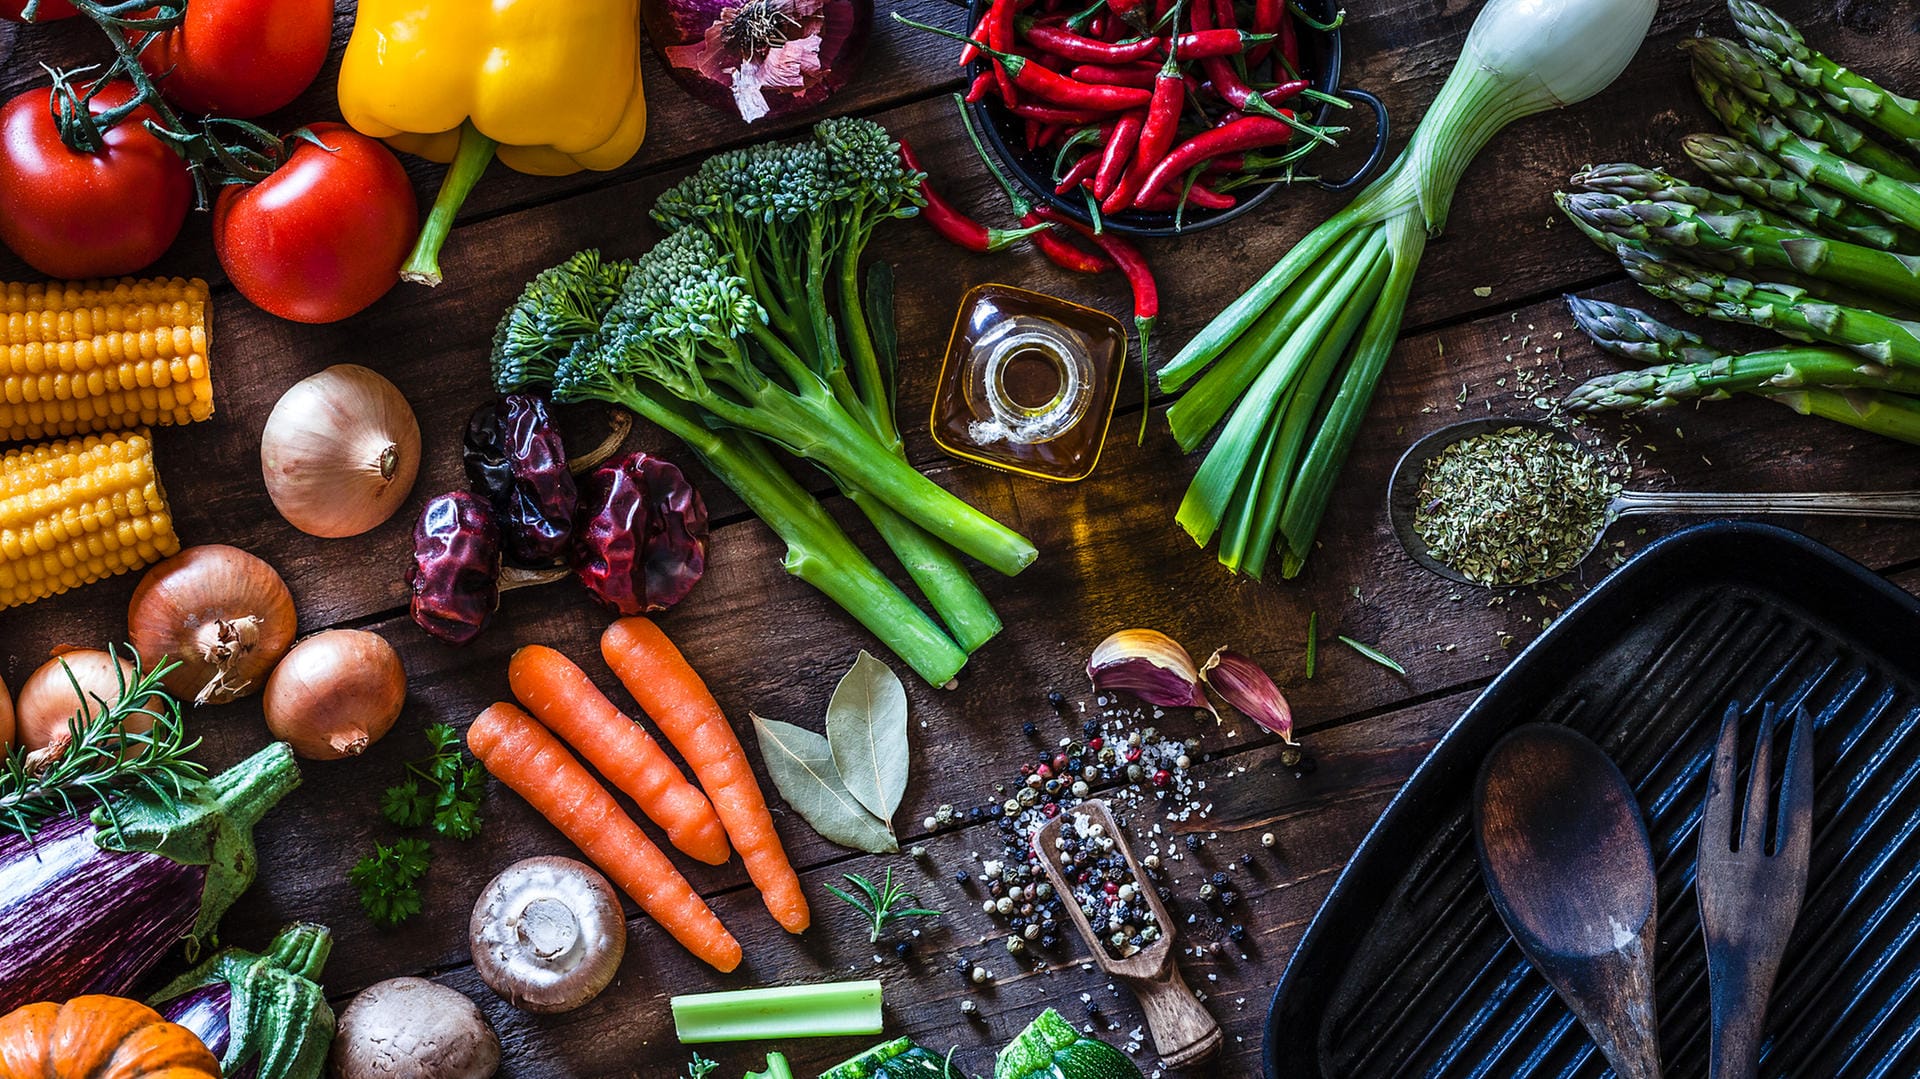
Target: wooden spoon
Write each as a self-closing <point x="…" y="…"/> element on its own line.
<point x="1564" y="851"/>
<point x="1184" y="1032"/>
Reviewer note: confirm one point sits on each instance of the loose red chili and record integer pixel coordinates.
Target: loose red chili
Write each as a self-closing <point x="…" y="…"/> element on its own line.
<point x="952" y="223"/>
<point x="1063" y="253"/>
<point x="1119" y="151"/>
<point x="1146" y="294"/>
<point x="1246" y="133"/>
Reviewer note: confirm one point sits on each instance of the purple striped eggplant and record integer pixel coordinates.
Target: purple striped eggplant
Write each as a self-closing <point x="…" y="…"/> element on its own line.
<point x="89" y="904"/>
<point x="264" y="1016"/>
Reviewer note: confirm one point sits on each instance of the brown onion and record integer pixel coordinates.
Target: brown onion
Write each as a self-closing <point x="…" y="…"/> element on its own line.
<point x="6" y="719"/>
<point x="223" y="614"/>
<point x="340" y="452"/>
<point x="335" y="694"/>
<point x="47" y="702"/>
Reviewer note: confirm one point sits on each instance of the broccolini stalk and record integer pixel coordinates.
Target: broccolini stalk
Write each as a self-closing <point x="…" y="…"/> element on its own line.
<point x="1741" y="70"/>
<point x="1811" y="380"/>
<point x="793" y="221"/>
<point x="1743" y="241"/>
<point x="1785" y="309"/>
<point x="1844" y="90"/>
<point x="559" y="315"/>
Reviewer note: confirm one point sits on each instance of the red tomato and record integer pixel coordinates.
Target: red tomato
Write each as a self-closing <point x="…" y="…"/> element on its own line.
<point x="76" y="215"/>
<point x="324" y="236"/>
<point x="241" y="58"/>
<point x="13" y="10"/>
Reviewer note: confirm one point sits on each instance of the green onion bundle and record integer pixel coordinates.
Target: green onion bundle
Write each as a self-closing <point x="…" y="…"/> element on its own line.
<point x="1814" y="234"/>
<point x="1286" y="372"/>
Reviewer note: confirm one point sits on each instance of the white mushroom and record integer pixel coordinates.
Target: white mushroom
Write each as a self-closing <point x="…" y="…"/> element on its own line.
<point x="411" y="1028"/>
<point x="547" y="934"/>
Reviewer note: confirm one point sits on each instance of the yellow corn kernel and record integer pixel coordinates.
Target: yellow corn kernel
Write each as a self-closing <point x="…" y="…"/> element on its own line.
<point x="77" y="510"/>
<point x="83" y="356"/>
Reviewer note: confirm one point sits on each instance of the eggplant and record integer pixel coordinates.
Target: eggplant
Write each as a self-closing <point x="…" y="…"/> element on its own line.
<point x="264" y="1016"/>
<point x="89" y="904"/>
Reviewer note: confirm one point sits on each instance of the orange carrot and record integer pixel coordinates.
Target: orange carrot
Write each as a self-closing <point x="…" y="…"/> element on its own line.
<point x="527" y="757"/>
<point x="673" y="696"/>
<point x="566" y="702"/>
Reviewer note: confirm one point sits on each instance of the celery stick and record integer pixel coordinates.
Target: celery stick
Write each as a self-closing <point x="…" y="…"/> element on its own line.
<point x="826" y="1010"/>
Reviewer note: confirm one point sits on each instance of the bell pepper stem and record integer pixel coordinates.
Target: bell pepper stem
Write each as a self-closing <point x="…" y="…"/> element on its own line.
<point x="469" y="161"/>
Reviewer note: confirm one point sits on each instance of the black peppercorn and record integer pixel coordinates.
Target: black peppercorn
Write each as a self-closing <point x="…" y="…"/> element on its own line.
<point x="960" y="877"/>
<point x="903" y="949"/>
<point x="1057" y="699"/>
<point x="1229" y="897"/>
<point x="1219" y="880"/>
<point x="1091" y="727"/>
<point x="1237" y="933"/>
<point x="1029" y="729"/>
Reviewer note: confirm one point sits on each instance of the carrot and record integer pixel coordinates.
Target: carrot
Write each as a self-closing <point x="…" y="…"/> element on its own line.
<point x="527" y="757"/>
<point x="669" y="690"/>
<point x="566" y="702"/>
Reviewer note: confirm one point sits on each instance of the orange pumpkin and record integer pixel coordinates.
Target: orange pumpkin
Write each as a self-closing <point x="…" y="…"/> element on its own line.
<point x="99" y="1037"/>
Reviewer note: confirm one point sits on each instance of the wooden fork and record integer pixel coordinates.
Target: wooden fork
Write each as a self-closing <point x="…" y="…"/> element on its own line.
<point x="1751" y="890"/>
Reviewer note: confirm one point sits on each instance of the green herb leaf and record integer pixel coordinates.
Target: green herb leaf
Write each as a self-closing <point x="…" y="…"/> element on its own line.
<point x="883" y="902"/>
<point x="388" y="880"/>
<point x="1374" y="654"/>
<point x="700" y="1067"/>
<point x="1313" y="642"/>
<point x="801" y="764"/>
<point x="867" y="733"/>
<point x="406" y="805"/>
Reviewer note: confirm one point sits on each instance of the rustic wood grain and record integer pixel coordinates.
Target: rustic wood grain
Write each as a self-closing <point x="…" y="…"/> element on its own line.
<point x="1110" y="554"/>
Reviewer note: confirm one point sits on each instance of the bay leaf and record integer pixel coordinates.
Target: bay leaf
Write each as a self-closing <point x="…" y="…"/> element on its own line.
<point x="867" y="730"/>
<point x="801" y="764"/>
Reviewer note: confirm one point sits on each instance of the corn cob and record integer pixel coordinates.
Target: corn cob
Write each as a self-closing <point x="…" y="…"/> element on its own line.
<point x="77" y="510"/>
<point x="84" y="356"/>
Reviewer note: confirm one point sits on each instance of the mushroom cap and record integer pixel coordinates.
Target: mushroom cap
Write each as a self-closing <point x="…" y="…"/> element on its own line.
<point x="411" y="1028"/>
<point x="547" y="934"/>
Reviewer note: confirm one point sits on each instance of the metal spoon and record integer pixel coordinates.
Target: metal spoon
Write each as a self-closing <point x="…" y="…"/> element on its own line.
<point x="1565" y="854"/>
<point x="1403" y="497"/>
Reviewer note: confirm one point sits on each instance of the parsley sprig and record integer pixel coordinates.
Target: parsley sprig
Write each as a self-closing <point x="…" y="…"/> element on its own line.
<point x="450" y="798"/>
<point x="442" y="790"/>
<point x="881" y="903"/>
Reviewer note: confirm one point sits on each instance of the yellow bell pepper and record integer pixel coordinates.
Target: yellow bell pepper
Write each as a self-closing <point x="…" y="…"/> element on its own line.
<point x="552" y="86"/>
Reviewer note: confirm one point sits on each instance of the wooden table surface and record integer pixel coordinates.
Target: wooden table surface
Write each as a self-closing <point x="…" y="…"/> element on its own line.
<point x="1486" y="333"/>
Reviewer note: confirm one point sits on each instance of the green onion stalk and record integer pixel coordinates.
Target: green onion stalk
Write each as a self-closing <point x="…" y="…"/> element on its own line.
<point x="1287" y="370"/>
<point x="1817" y="380"/>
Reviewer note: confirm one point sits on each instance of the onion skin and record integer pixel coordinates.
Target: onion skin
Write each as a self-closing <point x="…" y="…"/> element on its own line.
<point x="340" y="452"/>
<point x="335" y="694"/>
<point x="223" y="614"/>
<point x="47" y="703"/>
<point x="679" y="23"/>
<point x="6" y="719"/>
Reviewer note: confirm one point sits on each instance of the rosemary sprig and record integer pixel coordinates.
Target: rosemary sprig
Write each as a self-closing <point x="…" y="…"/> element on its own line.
<point x="882" y="903"/>
<point x="1374" y="654"/>
<point x="101" y="759"/>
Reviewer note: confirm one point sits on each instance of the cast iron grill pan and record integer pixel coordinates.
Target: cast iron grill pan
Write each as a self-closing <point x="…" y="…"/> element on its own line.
<point x="1407" y="972"/>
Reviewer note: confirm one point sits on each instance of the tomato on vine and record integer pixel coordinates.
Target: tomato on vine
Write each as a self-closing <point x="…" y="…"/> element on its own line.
<point x="240" y="58"/>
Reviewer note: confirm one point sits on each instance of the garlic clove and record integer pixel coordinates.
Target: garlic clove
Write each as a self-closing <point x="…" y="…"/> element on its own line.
<point x="1150" y="665"/>
<point x="1245" y="686"/>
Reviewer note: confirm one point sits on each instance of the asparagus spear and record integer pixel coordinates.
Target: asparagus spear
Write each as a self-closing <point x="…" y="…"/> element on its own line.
<point x="1769" y="184"/>
<point x="1876" y="411"/>
<point x="1630" y="181"/>
<point x="1810" y="160"/>
<point x="1743" y="241"/>
<point x="1786" y="309"/>
<point x="1845" y="90"/>
<point x="1690" y="369"/>
<point x="1744" y="71"/>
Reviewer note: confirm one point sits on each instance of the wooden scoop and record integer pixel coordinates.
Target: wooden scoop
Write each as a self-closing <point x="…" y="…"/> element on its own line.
<point x="1566" y="857"/>
<point x="1184" y="1032"/>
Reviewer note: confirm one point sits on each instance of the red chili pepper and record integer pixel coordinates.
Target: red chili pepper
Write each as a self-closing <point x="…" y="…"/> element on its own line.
<point x="1203" y="44"/>
<point x="1119" y="151"/>
<point x="1246" y="133"/>
<point x="1078" y="174"/>
<point x="1267" y="17"/>
<point x="981" y="84"/>
<point x="1063" y="42"/>
<point x="1146" y="294"/>
<point x="1198" y="195"/>
<point x="1062" y="253"/>
<point x="1000" y="36"/>
<point x="1051" y="85"/>
<point x="1140" y="75"/>
<point x="1289" y="42"/>
<point x="1053" y="114"/>
<point x="1156" y="135"/>
<point x="969" y="52"/>
<point x="953" y="224"/>
<point x="1139" y="13"/>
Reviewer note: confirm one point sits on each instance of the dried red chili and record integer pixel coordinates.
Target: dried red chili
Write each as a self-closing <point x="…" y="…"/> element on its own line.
<point x="641" y="544"/>
<point x="515" y="459"/>
<point x="454" y="575"/>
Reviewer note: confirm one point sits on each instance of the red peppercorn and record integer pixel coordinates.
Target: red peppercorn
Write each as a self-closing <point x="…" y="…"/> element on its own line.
<point x="1111" y="888"/>
<point x="1161" y="777"/>
<point x="1026" y="769"/>
<point x="1051" y="809"/>
<point x="1059" y="762"/>
<point x="1044" y="772"/>
<point x="1133" y="754"/>
<point x="1096" y="743"/>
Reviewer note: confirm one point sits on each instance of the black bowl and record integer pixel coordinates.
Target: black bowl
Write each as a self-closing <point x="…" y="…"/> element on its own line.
<point x="1319" y="61"/>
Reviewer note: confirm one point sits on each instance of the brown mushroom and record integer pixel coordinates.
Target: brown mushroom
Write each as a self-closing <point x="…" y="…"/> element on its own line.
<point x="547" y="934"/>
<point x="411" y="1028"/>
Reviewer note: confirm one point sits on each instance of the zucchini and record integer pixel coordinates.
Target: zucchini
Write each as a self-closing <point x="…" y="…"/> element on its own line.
<point x="897" y="1059"/>
<point x="1050" y="1048"/>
